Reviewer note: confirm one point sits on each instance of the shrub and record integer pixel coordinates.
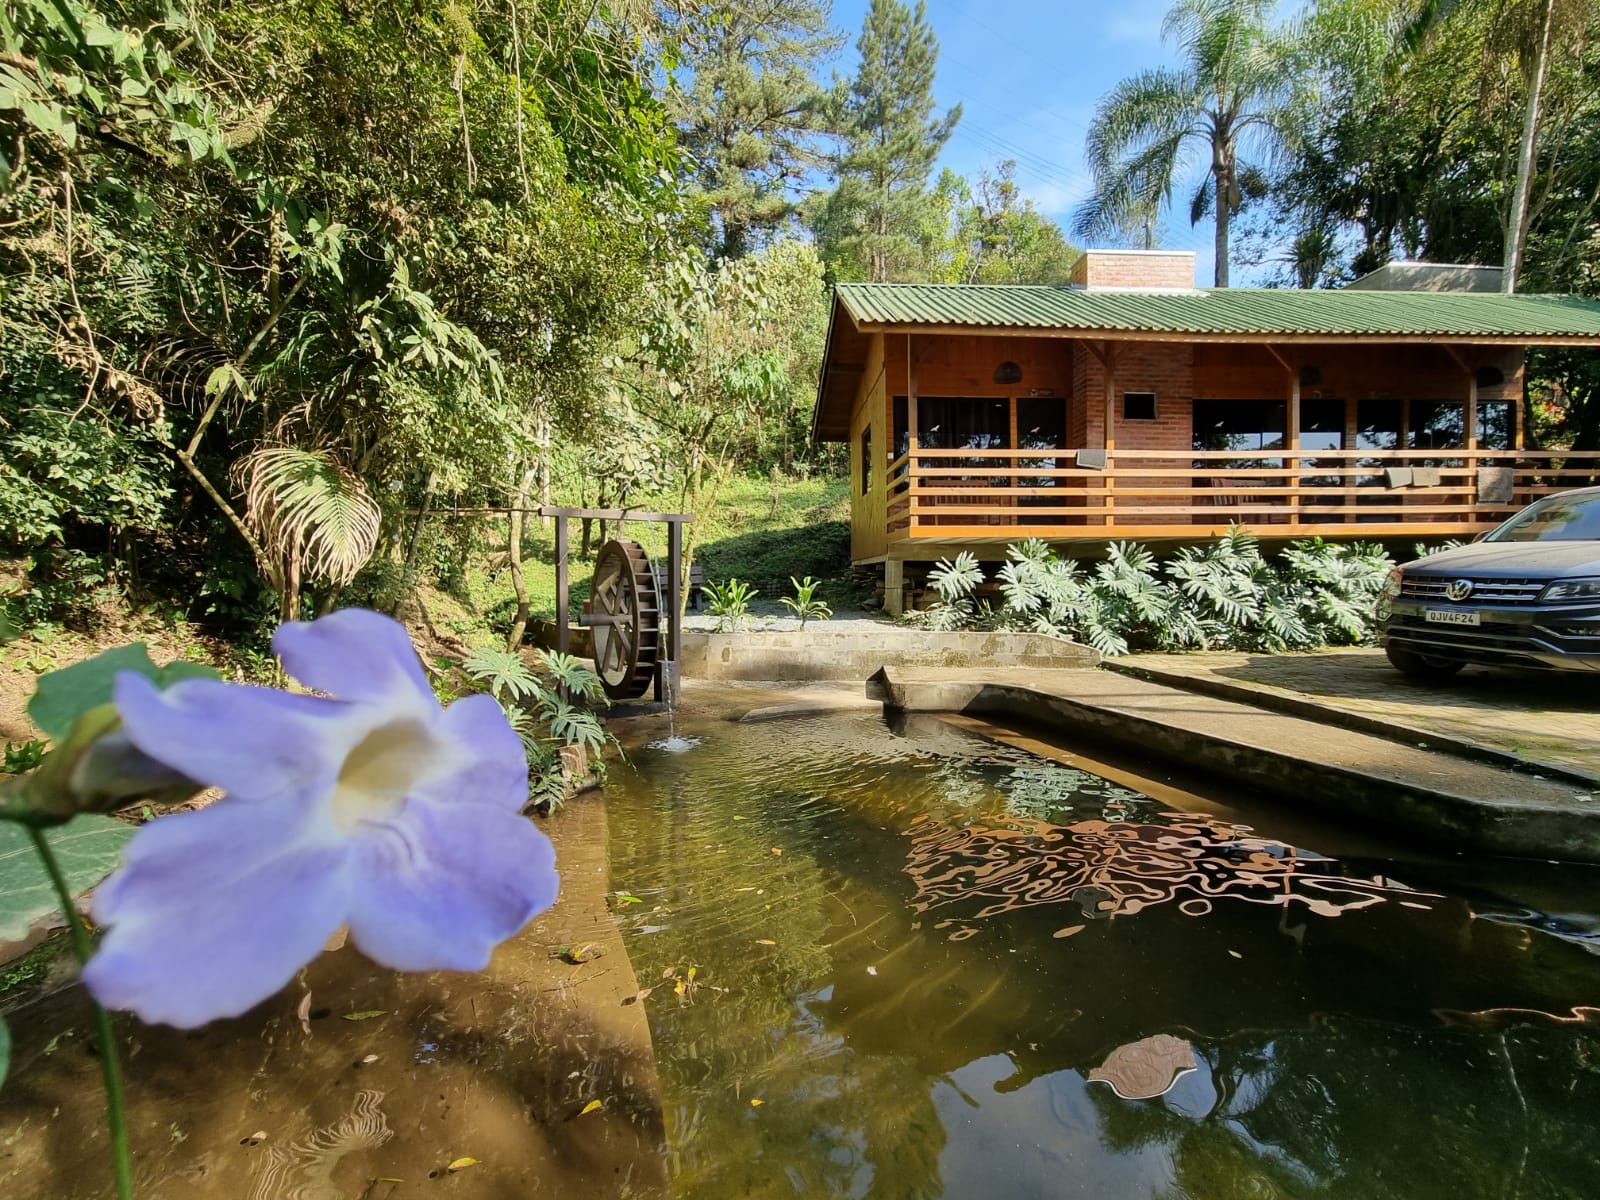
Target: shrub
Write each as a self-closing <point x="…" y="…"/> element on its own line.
<point x="804" y="603"/>
<point x="1225" y="595"/>
<point x="729" y="603"/>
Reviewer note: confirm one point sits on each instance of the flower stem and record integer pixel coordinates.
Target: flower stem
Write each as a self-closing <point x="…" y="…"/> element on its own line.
<point x="109" y="1069"/>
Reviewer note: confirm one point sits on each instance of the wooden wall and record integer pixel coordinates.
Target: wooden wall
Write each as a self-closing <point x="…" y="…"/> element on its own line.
<point x="868" y="507"/>
<point x="1228" y="372"/>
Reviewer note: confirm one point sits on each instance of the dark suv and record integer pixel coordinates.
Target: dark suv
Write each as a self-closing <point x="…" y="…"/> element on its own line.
<point x="1525" y="595"/>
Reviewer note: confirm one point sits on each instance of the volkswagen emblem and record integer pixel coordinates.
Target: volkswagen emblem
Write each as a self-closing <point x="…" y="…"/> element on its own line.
<point x="1459" y="589"/>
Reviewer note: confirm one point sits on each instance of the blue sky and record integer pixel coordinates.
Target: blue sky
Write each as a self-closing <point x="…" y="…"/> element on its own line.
<point x="1028" y="74"/>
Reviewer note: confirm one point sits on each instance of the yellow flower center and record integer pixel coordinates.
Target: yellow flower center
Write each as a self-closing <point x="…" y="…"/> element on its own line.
<point x="384" y="766"/>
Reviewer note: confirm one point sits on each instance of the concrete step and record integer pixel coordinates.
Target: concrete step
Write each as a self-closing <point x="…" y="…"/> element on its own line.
<point x="1445" y="799"/>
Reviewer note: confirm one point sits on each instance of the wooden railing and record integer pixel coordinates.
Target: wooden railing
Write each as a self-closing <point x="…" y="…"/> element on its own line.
<point x="1173" y="493"/>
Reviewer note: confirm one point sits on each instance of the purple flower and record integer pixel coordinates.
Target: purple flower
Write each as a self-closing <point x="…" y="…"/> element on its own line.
<point x="376" y="809"/>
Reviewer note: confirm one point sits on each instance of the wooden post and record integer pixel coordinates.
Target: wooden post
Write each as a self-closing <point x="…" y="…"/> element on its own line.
<point x="1291" y="436"/>
<point x="1110" y="438"/>
<point x="894" y="587"/>
<point x="667" y="668"/>
<point x="911" y="439"/>
<point x="563" y="639"/>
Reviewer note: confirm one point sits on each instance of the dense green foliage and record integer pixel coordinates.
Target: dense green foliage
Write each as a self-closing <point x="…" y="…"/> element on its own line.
<point x="1224" y="595"/>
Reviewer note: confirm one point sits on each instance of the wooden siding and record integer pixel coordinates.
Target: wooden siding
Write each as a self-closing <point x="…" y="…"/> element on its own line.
<point x="868" y="518"/>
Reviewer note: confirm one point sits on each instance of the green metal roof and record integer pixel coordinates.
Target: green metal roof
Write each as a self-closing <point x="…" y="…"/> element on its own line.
<point x="1250" y="312"/>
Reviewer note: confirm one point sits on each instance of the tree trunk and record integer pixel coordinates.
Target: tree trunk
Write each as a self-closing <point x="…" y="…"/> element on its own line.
<point x="1224" y="177"/>
<point x="408" y="567"/>
<point x="1517" y="218"/>
<point x="289" y="602"/>
<point x="519" y="623"/>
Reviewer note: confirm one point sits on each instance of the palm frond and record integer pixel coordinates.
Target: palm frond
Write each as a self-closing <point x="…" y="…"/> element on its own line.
<point x="307" y="502"/>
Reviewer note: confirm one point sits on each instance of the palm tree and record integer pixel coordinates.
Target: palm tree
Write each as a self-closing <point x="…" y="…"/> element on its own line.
<point x="1235" y="86"/>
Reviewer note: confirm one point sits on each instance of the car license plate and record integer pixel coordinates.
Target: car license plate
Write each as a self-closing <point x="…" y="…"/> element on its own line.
<point x="1448" y="616"/>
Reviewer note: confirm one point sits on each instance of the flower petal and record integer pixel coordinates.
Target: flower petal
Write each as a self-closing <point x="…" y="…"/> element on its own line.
<point x="251" y="741"/>
<point x="439" y="886"/>
<point x="493" y="766"/>
<point x="215" y="911"/>
<point x="356" y="654"/>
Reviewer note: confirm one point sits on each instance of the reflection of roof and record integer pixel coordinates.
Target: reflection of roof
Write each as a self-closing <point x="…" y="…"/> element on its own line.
<point x="1224" y="311"/>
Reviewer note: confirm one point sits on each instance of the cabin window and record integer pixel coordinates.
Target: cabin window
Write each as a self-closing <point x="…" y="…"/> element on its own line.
<point x="963" y="423"/>
<point x="902" y="429"/>
<point x="866" y="460"/>
<point x="1321" y="424"/>
<point x="1438" y="424"/>
<point x="1496" y="424"/>
<point x="1138" y="406"/>
<point x="1378" y="425"/>
<point x="1239" y="424"/>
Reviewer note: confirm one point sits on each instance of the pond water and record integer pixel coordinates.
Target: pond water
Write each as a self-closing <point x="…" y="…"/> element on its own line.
<point x="884" y="959"/>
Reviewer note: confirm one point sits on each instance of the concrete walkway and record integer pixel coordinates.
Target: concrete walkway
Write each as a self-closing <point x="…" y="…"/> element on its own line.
<point x="1550" y="720"/>
<point x="1444" y="798"/>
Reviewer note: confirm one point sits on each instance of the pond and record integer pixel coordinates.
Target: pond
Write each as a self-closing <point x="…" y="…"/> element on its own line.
<point x="884" y="959"/>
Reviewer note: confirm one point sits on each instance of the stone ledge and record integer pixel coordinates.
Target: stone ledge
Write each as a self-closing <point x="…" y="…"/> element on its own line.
<point x="855" y="654"/>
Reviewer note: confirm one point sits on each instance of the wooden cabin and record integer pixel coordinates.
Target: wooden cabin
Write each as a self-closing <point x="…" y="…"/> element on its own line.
<point x="1131" y="404"/>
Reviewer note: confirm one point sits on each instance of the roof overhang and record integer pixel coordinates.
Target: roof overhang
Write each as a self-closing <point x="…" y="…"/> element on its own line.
<point x="1258" y="338"/>
<point x="844" y="362"/>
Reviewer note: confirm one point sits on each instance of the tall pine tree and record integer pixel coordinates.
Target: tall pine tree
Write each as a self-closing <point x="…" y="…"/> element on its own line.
<point x="751" y="119"/>
<point x="870" y="225"/>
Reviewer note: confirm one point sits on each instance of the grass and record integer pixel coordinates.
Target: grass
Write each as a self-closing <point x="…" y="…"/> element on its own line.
<point x="760" y="532"/>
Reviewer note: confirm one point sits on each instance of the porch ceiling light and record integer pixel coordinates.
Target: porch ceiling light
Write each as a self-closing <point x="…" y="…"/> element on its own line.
<point x="1571" y="589"/>
<point x="1008" y="372"/>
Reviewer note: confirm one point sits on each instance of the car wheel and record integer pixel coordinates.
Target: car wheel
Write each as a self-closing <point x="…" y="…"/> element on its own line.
<point x="1421" y="666"/>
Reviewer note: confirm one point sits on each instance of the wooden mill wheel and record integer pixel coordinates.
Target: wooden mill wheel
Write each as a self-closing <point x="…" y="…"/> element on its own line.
<point x="625" y="614"/>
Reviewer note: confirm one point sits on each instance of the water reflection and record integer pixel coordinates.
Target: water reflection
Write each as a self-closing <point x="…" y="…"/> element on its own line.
<point x="818" y="870"/>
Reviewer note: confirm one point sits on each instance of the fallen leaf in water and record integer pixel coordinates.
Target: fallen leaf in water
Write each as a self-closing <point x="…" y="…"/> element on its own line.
<point x="765" y="942"/>
<point x="1235" y="954"/>
<point x="578" y="955"/>
<point x="369" y="1060"/>
<point x="367" y="1015"/>
<point x="738" y="818"/>
<point x="461" y="1164"/>
<point x="1069" y="931"/>
<point x="303" y="1011"/>
<point x="641" y="994"/>
<point x="1147" y="1068"/>
<point x="754" y="1103"/>
<point x="591" y="1107"/>
<point x="667" y="972"/>
<point x="777" y="849"/>
<point x="680" y="987"/>
<point x="628" y="898"/>
<point x="255" y="1139"/>
<point x="872" y="970"/>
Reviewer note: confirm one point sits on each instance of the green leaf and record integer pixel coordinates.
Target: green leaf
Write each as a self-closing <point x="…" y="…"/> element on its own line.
<point x="88" y="847"/>
<point x="367" y="1015"/>
<point x="61" y="697"/>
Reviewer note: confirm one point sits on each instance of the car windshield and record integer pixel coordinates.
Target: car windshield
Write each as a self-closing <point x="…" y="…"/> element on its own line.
<point x="1556" y="519"/>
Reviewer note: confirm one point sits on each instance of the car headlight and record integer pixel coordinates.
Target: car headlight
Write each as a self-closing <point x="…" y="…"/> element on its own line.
<point x="1571" y="589"/>
<point x="1391" y="584"/>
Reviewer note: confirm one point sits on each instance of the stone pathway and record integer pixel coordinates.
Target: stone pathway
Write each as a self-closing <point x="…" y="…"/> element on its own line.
<point x="1551" y="717"/>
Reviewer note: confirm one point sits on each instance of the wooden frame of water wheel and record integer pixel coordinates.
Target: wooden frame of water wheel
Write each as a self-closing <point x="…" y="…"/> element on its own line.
<point x="625" y="615"/>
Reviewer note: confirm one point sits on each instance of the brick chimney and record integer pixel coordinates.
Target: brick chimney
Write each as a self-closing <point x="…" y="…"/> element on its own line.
<point x="1134" y="271"/>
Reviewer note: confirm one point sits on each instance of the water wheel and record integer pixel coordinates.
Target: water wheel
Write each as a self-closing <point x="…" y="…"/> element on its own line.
<point x="625" y="614"/>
